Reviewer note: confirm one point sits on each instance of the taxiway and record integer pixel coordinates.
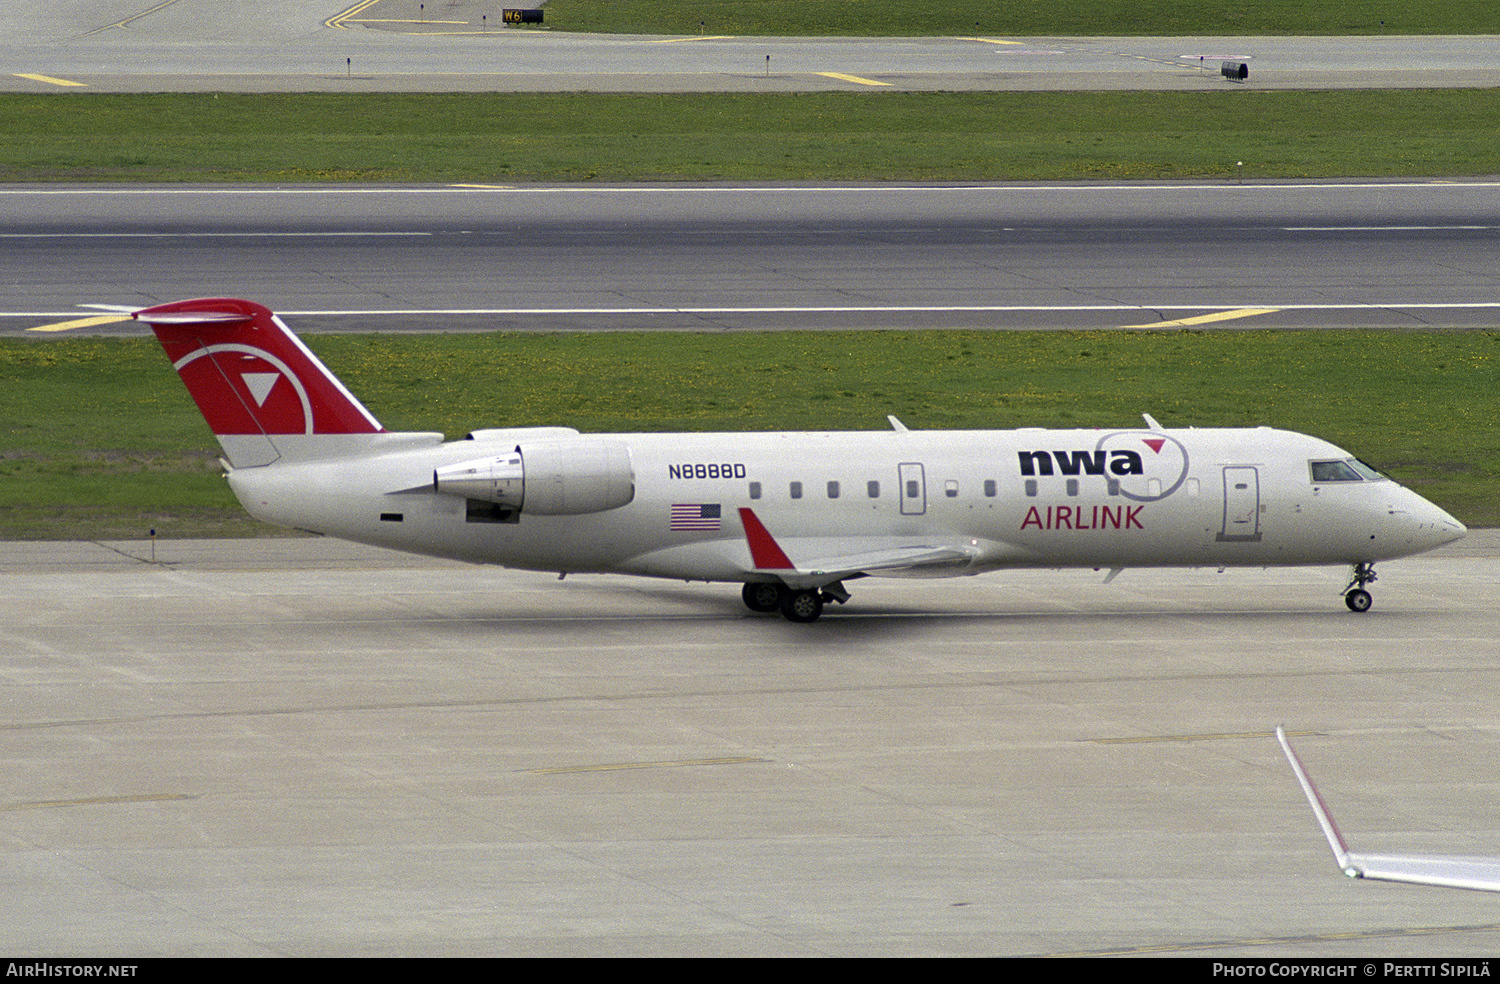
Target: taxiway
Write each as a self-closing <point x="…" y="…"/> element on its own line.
<point x="307" y="748"/>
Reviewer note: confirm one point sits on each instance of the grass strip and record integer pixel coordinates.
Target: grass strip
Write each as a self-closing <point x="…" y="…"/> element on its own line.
<point x="102" y="431"/>
<point x="865" y="136"/>
<point x="903" y="18"/>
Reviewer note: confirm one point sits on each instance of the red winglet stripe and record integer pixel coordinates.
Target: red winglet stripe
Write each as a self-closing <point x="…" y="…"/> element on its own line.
<point x="764" y="551"/>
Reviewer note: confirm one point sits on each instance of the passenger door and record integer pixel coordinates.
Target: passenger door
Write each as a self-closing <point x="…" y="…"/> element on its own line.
<point x="1241" y="504"/>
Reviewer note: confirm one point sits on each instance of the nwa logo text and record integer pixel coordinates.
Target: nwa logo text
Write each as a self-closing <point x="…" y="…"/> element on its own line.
<point x="1142" y="466"/>
<point x="1120" y="462"/>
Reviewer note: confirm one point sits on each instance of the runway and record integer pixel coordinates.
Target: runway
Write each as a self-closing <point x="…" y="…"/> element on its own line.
<point x="306" y="748"/>
<point x="399" y="45"/>
<point x="1405" y="255"/>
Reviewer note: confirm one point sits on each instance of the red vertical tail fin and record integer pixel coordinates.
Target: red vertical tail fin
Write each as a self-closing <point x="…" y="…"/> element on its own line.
<point x="262" y="392"/>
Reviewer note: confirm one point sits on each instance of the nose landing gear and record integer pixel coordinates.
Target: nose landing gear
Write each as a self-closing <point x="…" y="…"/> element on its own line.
<point x="1355" y="595"/>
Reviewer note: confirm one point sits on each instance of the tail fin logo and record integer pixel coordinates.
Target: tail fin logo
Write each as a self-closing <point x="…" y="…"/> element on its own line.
<point x="257" y="402"/>
<point x="259" y="384"/>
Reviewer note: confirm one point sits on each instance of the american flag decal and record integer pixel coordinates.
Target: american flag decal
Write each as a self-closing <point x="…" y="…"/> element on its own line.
<point x="695" y="516"/>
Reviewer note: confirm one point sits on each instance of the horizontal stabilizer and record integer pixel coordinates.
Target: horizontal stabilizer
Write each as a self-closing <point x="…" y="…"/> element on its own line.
<point x="154" y="316"/>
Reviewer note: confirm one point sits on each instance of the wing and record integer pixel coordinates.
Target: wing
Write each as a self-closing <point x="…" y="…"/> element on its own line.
<point x="821" y="562"/>
<point x="1481" y="874"/>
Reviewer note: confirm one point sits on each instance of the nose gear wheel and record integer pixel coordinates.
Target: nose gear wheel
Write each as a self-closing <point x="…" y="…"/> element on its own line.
<point x="1355" y="595"/>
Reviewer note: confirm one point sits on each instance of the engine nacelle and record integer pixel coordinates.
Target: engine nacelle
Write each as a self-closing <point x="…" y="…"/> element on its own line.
<point x="546" y="478"/>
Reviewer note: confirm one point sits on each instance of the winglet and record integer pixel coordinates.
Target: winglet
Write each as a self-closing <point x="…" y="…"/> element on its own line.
<point x="765" y="553"/>
<point x="1319" y="808"/>
<point x="1479" y="874"/>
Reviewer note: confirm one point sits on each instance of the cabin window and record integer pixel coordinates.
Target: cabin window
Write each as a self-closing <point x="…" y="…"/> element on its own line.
<point x="950" y="489"/>
<point x="872" y="489"/>
<point x="755" y="490"/>
<point x="989" y="488"/>
<point x="796" y="490"/>
<point x="833" y="490"/>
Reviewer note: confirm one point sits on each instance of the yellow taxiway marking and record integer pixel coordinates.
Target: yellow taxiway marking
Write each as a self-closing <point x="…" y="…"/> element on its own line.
<point x="619" y="766"/>
<point x="122" y="24"/>
<point x="851" y="78"/>
<point x="706" y="37"/>
<point x="1204" y="319"/>
<point x="990" y="41"/>
<point x="98" y="319"/>
<point x="46" y="78"/>
<point x="338" y="19"/>
<point x="97" y="800"/>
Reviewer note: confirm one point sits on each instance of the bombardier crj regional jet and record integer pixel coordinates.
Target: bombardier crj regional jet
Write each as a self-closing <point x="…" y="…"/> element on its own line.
<point x="791" y="516"/>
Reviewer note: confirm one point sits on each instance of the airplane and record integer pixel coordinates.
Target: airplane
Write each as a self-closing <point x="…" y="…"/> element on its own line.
<point x="791" y="516"/>
<point x="1480" y="874"/>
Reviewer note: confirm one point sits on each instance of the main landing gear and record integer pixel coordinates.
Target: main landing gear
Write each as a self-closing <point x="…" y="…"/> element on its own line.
<point x="795" y="604"/>
<point x="1355" y="595"/>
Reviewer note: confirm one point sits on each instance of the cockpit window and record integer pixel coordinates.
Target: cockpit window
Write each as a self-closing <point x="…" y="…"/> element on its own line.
<point x="1348" y="470"/>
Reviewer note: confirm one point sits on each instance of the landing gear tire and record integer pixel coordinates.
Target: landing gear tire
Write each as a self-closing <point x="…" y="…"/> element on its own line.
<point x="1355" y="595"/>
<point x="764" y="596"/>
<point x="802" y="605"/>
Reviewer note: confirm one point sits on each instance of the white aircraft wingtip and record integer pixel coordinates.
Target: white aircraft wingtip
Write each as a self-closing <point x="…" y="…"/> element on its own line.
<point x="1151" y="422"/>
<point x="896" y="425"/>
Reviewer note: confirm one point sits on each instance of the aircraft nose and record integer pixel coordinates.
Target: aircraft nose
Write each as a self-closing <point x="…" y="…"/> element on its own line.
<point x="1427" y="525"/>
<point x="1448" y="529"/>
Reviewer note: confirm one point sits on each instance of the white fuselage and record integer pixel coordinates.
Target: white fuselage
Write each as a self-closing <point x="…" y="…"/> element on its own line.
<point x="1020" y="498"/>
